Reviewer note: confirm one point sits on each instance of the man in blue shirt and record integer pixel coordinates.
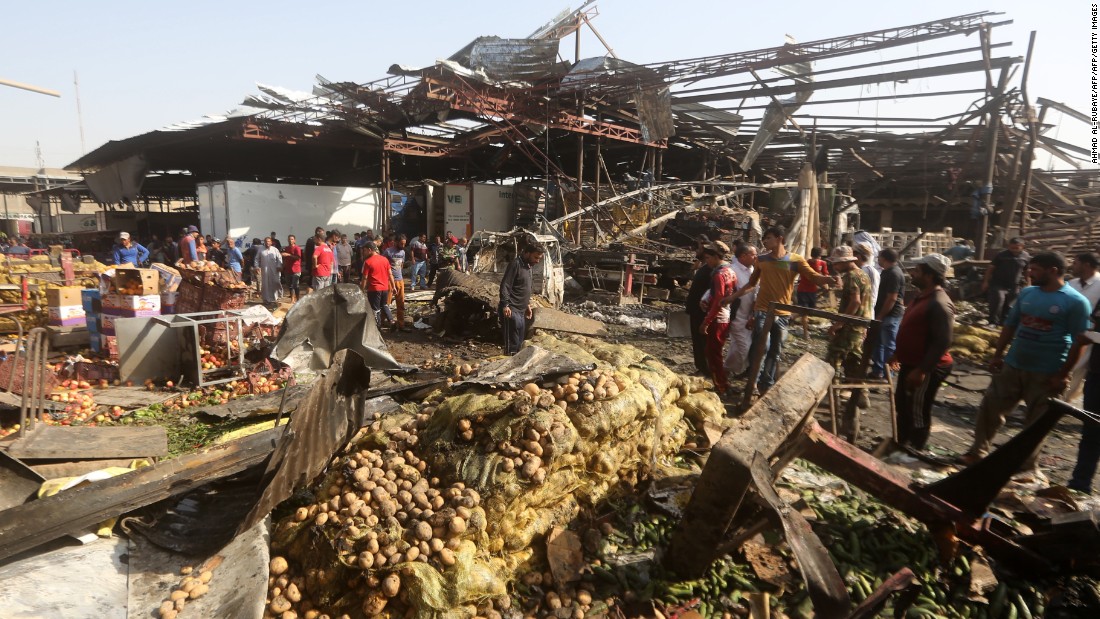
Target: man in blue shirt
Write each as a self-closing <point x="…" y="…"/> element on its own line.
<point x="128" y="251"/>
<point x="1044" y="328"/>
<point x="396" y="255"/>
<point x="19" y="247"/>
<point x="233" y="256"/>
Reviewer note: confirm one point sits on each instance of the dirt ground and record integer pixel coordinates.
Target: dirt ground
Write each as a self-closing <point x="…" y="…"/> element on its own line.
<point x="953" y="413"/>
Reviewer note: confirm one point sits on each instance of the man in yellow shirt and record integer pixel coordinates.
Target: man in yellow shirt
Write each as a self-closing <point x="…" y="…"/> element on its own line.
<point x="775" y="274"/>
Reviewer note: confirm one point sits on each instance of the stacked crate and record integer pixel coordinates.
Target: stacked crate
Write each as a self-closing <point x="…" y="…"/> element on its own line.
<point x="930" y="243"/>
<point x="65" y="307"/>
<point x="90" y="300"/>
<point x="136" y="294"/>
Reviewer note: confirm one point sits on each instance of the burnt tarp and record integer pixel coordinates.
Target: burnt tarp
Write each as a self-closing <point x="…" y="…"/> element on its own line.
<point x="332" y="319"/>
<point x="511" y="59"/>
<point x="470" y="304"/>
<point x="531" y="364"/>
<point x="452" y="281"/>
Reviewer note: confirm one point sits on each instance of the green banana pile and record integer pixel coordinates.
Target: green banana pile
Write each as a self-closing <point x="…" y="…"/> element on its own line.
<point x="867" y="540"/>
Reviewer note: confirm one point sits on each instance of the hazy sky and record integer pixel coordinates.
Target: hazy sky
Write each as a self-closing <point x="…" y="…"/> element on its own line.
<point x="143" y="65"/>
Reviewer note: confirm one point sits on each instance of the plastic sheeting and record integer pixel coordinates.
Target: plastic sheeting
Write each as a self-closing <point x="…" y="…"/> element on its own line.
<point x="118" y="182"/>
<point x="332" y="319"/>
<point x="531" y="364"/>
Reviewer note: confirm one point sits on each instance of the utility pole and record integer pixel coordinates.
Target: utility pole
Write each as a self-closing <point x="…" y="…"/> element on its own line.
<point x="79" y="115"/>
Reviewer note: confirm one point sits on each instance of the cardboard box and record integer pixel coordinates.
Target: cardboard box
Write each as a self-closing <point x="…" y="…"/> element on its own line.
<point x="64" y="297"/>
<point x="109" y="345"/>
<point x="168" y="298"/>
<point x="124" y="313"/>
<point x="169" y="278"/>
<point x="66" y="316"/>
<point x="138" y="282"/>
<point x="131" y="302"/>
<point x="107" y="324"/>
<point x="88" y="299"/>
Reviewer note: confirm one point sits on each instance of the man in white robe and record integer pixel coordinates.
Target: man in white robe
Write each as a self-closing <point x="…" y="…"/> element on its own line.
<point x="737" y="355"/>
<point x="270" y="262"/>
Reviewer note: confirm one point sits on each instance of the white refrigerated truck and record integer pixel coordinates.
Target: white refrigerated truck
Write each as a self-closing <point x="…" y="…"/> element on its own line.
<point x="250" y="210"/>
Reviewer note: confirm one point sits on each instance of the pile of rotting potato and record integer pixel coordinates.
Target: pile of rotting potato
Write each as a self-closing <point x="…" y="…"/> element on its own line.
<point x="433" y="511"/>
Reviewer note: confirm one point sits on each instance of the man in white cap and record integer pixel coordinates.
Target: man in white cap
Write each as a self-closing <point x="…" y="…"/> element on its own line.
<point x="865" y="254"/>
<point x="921" y="357"/>
<point x="846" y="340"/>
<point x="188" y="252"/>
<point x="716" y="322"/>
<point x="127" y="251"/>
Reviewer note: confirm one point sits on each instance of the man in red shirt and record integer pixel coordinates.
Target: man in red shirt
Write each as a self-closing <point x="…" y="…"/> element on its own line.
<point x="323" y="260"/>
<point x="716" y="324"/>
<point x="187" y="249"/>
<point x="921" y="357"/>
<point x="292" y="267"/>
<point x="805" y="294"/>
<point x="377" y="281"/>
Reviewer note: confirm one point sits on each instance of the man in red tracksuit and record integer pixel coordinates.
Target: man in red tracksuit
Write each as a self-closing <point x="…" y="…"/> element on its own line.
<point x="716" y="324"/>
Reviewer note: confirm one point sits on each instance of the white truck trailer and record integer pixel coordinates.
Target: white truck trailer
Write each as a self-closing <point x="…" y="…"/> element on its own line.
<point x="465" y="209"/>
<point x="243" y="209"/>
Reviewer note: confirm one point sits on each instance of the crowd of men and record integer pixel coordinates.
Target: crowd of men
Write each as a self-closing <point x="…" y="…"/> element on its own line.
<point x="1041" y="352"/>
<point x="279" y="270"/>
<point x="1047" y="324"/>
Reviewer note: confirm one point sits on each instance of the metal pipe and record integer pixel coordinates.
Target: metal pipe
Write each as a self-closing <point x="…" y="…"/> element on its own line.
<point x="991" y="163"/>
<point x="41" y="91"/>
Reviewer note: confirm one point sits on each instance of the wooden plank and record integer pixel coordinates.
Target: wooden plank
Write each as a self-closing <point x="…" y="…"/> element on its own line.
<point x="76" y="468"/>
<point x="726" y="478"/>
<point x="89" y="443"/>
<point x="132" y="397"/>
<point x="18" y="482"/>
<point x="556" y="320"/>
<point x="27" y="526"/>
<point x="257" y="406"/>
<point x="13" y="400"/>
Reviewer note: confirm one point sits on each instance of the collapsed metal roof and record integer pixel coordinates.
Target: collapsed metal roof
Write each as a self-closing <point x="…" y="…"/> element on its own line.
<point x="501" y="108"/>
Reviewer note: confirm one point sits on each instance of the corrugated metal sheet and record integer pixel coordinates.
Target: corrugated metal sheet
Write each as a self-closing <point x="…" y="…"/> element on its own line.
<point x="708" y="118"/>
<point x="324" y="421"/>
<point x="655" y="114"/>
<point x="776" y="114"/>
<point x="511" y="59"/>
<point x="591" y="74"/>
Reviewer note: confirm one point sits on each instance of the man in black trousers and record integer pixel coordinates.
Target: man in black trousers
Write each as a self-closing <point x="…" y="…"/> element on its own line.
<point x="700" y="283"/>
<point x="515" y="298"/>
